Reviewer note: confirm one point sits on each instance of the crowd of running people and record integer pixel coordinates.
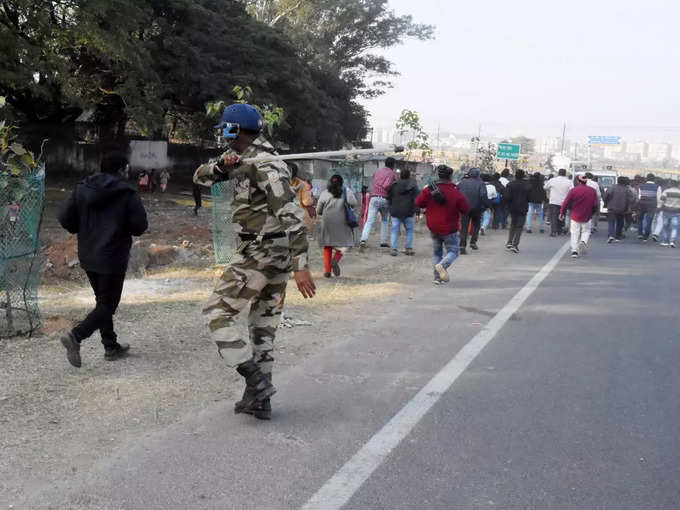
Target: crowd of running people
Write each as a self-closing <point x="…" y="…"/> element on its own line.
<point x="520" y="202"/>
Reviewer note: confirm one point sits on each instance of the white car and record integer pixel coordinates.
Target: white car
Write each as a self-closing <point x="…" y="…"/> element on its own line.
<point x="606" y="179"/>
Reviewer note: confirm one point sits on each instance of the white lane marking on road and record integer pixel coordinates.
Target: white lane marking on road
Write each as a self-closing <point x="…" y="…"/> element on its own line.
<point x="341" y="487"/>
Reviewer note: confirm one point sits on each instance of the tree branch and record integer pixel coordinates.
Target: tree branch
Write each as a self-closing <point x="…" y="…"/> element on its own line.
<point x="285" y="13"/>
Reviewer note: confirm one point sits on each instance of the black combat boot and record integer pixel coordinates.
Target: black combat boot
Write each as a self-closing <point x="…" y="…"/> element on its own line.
<point x="258" y="385"/>
<point x="261" y="409"/>
<point x="248" y="398"/>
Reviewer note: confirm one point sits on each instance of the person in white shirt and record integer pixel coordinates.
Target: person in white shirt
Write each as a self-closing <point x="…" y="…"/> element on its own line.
<point x="557" y="188"/>
<point x="592" y="182"/>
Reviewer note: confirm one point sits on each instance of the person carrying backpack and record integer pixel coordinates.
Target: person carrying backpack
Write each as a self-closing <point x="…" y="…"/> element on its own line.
<point x="443" y="205"/>
<point x="475" y="193"/>
<point x="537" y="197"/>
<point x="402" y="210"/>
<point x="494" y="198"/>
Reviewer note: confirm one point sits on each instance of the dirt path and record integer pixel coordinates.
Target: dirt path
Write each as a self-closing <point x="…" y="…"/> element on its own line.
<point x="57" y="420"/>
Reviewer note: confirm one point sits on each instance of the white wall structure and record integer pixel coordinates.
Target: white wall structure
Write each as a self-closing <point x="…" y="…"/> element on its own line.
<point x="149" y="154"/>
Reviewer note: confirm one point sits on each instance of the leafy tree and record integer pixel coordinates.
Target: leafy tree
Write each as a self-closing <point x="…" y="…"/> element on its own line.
<point x="487" y="157"/>
<point x="153" y="64"/>
<point x="418" y="140"/>
<point x="16" y="164"/>
<point x="339" y="35"/>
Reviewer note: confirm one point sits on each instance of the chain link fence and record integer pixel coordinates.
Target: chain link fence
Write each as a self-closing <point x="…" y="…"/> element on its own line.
<point x="225" y="241"/>
<point x="21" y="207"/>
<point x="352" y="174"/>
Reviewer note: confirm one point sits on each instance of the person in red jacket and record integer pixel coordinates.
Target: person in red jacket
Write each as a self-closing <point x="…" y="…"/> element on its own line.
<point x="583" y="202"/>
<point x="443" y="204"/>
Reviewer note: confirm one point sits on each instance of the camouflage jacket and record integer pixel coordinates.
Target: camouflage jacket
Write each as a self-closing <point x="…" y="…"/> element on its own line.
<point x="264" y="201"/>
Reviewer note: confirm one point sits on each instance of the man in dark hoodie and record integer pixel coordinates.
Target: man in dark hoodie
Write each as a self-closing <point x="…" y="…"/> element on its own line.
<point x="474" y="190"/>
<point x="402" y="198"/>
<point x="516" y="198"/>
<point x="105" y="212"/>
<point x="618" y="199"/>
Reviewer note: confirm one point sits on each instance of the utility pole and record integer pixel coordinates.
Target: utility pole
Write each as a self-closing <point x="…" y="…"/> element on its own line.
<point x="564" y="131"/>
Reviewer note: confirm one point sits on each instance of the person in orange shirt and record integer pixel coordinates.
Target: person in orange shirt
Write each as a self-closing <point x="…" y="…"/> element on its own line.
<point x="304" y="196"/>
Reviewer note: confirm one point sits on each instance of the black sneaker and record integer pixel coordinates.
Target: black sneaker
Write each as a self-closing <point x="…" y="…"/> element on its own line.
<point x="335" y="266"/>
<point x="514" y="249"/>
<point x="327" y="275"/>
<point x="574" y="254"/>
<point x="462" y="251"/>
<point x="384" y="245"/>
<point x="72" y="349"/>
<point x="474" y="246"/>
<point x="116" y="352"/>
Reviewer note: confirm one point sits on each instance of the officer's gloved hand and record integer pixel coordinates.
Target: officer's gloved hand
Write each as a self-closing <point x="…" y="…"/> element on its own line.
<point x="227" y="160"/>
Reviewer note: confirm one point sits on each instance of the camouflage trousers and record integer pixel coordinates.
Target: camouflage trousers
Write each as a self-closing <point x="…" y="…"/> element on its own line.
<point x="258" y="276"/>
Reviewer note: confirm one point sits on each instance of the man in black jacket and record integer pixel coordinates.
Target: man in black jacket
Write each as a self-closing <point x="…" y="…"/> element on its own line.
<point x="402" y="199"/>
<point x="474" y="190"/>
<point x="105" y="212"/>
<point x="618" y="199"/>
<point x="516" y="197"/>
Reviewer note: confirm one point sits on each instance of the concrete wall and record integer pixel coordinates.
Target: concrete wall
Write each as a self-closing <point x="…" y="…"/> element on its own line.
<point x="81" y="159"/>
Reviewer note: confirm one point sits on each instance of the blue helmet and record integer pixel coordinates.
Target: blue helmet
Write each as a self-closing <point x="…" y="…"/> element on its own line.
<point x="240" y="116"/>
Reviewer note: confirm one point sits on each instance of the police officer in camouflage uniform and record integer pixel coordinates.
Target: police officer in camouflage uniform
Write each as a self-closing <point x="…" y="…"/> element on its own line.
<point x="273" y="243"/>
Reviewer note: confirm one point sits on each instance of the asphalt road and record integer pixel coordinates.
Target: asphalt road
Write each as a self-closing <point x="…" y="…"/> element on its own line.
<point x="573" y="404"/>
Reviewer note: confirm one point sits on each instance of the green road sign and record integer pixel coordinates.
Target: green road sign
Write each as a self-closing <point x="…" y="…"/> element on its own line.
<point x="508" y="151"/>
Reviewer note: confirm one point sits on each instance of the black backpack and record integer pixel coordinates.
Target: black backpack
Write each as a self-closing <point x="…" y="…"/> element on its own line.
<point x="437" y="193"/>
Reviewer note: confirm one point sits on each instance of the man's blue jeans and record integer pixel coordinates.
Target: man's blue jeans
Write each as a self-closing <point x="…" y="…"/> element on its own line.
<point x="450" y="244"/>
<point x="671" y="222"/>
<point x="377" y="204"/>
<point x="530" y="215"/>
<point x="646" y="219"/>
<point x="409" y="225"/>
<point x="486" y="218"/>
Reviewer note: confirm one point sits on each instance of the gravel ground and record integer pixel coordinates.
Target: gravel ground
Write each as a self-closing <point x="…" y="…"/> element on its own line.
<point x="57" y="420"/>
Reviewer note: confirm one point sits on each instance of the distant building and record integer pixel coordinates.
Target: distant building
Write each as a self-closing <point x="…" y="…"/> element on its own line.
<point x="659" y="152"/>
<point x="548" y="145"/>
<point x="675" y="152"/>
<point x="639" y="148"/>
<point x="383" y="136"/>
<point x="615" y="152"/>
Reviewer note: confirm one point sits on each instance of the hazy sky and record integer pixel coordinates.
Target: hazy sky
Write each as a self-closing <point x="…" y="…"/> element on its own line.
<point x="525" y="67"/>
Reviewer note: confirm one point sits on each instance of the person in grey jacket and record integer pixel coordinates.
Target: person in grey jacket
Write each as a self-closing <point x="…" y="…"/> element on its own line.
<point x="670" y="205"/>
<point x="336" y="236"/>
<point x="618" y="199"/>
<point x="402" y="199"/>
<point x="474" y="190"/>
